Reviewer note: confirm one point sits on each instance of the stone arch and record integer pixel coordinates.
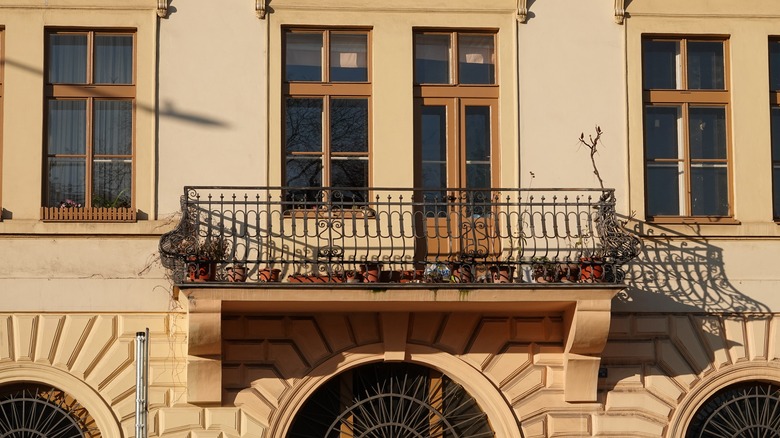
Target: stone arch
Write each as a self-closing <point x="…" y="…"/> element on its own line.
<point x="742" y="372"/>
<point x="490" y="399"/>
<point x="89" y="398"/>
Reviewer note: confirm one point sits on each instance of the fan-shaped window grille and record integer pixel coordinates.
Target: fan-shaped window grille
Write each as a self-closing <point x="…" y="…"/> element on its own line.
<point x="746" y="410"/>
<point x="391" y="400"/>
<point x="38" y="411"/>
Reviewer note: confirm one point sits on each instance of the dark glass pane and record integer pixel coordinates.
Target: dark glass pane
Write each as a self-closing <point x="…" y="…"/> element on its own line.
<point x="434" y="175"/>
<point x="705" y="65"/>
<point x="709" y="190"/>
<point x="432" y="59"/>
<point x="348" y="57"/>
<point x="304" y="172"/>
<point x="478" y="133"/>
<point x="113" y="59"/>
<point x="303" y="57"/>
<point x="349" y="125"/>
<point x="661" y="132"/>
<point x="67" y="127"/>
<point x="477" y="176"/>
<point x="775" y="116"/>
<point x="433" y="132"/>
<point x="67" y="59"/>
<point x="663" y="190"/>
<point x="66" y="181"/>
<point x="476" y="59"/>
<point x="113" y="127"/>
<point x="776" y="190"/>
<point x="707" y="132"/>
<point x="660" y="64"/>
<point x="349" y="173"/>
<point x="111" y="181"/>
<point x="774" y="65"/>
<point x="303" y="125"/>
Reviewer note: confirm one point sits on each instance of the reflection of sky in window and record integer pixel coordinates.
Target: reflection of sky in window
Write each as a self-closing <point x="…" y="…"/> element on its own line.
<point x="303" y="57"/>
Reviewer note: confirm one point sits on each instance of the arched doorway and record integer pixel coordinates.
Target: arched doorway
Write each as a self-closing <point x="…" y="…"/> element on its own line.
<point x="41" y="411"/>
<point x="390" y="399"/>
<point x="745" y="409"/>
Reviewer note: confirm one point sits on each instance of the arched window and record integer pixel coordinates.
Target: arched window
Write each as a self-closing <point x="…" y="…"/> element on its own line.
<point x="743" y="410"/>
<point x="40" y="411"/>
<point x="396" y="400"/>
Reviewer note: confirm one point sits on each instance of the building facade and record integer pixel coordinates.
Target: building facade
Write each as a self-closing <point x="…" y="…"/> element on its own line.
<point x="390" y="219"/>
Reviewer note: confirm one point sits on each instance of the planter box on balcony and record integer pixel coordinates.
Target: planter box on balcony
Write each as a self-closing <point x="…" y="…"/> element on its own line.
<point x="82" y="214"/>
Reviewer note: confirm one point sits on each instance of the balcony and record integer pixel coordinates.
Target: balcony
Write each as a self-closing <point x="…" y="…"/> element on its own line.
<point x="347" y="237"/>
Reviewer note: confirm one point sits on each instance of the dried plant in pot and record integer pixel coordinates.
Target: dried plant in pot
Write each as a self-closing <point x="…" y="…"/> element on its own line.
<point x="202" y="264"/>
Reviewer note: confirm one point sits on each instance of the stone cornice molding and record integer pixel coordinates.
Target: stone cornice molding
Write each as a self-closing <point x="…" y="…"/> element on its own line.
<point x="620" y="11"/>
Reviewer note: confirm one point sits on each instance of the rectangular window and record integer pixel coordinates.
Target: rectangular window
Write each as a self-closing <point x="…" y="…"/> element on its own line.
<point x="327" y="107"/>
<point x="2" y="93"/>
<point x="686" y="127"/>
<point x="89" y="139"/>
<point x="774" y="97"/>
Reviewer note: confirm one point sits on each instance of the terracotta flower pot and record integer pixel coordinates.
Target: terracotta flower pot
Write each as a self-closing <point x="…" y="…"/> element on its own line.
<point x="370" y="272"/>
<point x="201" y="270"/>
<point x="462" y="273"/>
<point x="236" y="273"/>
<point x="502" y="274"/>
<point x="591" y="269"/>
<point x="269" y="275"/>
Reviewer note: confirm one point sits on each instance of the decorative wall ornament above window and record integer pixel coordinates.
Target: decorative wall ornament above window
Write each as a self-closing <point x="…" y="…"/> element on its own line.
<point x="522" y="10"/>
<point x="261" y="8"/>
<point x="162" y="8"/>
<point x="620" y="11"/>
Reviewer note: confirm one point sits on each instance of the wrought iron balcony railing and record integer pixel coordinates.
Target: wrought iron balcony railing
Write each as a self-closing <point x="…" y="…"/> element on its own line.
<point x="335" y="235"/>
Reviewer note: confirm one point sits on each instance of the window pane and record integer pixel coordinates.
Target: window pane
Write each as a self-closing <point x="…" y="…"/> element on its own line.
<point x="66" y="181"/>
<point x="477" y="60"/>
<point x="349" y="125"/>
<point x="349" y="173"/>
<point x="304" y="172"/>
<point x="433" y="132"/>
<point x="113" y="59"/>
<point x="663" y="189"/>
<point x="434" y="175"/>
<point x="304" y="57"/>
<point x="705" y="65"/>
<point x="776" y="179"/>
<point x="432" y="59"/>
<point x="67" y="59"/>
<point x="707" y="132"/>
<point x="111" y="182"/>
<point x="662" y="135"/>
<point x="709" y="190"/>
<point x="478" y="133"/>
<point x="775" y="114"/>
<point x="348" y="57"/>
<point x="661" y="64"/>
<point x="303" y="125"/>
<point x="113" y="127"/>
<point x="67" y="127"/>
<point x="774" y="65"/>
<point x="477" y="176"/>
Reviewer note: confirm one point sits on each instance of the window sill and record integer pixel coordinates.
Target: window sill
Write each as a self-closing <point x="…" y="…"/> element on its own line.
<point x="56" y="214"/>
<point x="700" y="220"/>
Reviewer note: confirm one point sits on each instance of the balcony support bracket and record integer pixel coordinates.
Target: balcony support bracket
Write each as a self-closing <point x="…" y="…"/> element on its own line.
<point x="588" y="329"/>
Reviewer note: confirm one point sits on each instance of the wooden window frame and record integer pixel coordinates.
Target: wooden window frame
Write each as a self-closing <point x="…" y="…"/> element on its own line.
<point x="327" y="91"/>
<point x="89" y="92"/>
<point x="684" y="98"/>
<point x="455" y="97"/>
